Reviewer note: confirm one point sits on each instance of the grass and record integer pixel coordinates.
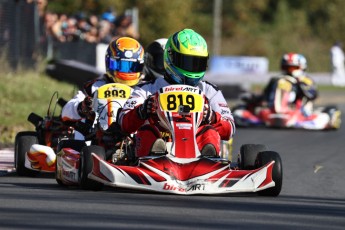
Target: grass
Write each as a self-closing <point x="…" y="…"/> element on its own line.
<point x="23" y="93"/>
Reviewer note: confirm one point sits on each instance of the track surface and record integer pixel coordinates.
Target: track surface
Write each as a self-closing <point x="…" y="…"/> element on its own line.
<point x="312" y="197"/>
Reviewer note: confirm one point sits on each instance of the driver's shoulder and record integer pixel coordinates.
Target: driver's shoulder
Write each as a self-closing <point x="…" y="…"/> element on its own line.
<point x="208" y="86"/>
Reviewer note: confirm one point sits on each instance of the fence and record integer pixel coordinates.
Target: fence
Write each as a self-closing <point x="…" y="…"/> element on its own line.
<point x="23" y="39"/>
<point x="19" y="32"/>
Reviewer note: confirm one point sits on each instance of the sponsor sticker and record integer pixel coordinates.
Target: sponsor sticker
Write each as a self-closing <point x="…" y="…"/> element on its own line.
<point x="189" y="188"/>
<point x="184" y="125"/>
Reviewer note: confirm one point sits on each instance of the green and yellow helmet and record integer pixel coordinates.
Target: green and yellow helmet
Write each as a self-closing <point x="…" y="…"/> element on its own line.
<point x="185" y="58"/>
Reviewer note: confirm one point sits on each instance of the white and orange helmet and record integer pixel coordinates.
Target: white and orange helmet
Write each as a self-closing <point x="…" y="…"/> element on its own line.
<point x="124" y="60"/>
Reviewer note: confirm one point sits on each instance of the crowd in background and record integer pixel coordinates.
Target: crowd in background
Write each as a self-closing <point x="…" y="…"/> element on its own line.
<point x="90" y="28"/>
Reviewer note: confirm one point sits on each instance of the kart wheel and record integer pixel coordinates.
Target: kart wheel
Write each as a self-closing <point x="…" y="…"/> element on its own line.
<point x="77" y="145"/>
<point x="277" y="172"/>
<point x="23" y="142"/>
<point x="335" y="116"/>
<point x="57" y="179"/>
<point x="248" y="155"/>
<point x="239" y="121"/>
<point x="85" y="167"/>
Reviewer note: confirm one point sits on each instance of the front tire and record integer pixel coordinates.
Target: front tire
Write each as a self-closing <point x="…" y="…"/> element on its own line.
<point x="277" y="172"/>
<point x="23" y="143"/>
<point x="56" y="172"/>
<point x="77" y="145"/>
<point x="248" y="155"/>
<point x="86" y="165"/>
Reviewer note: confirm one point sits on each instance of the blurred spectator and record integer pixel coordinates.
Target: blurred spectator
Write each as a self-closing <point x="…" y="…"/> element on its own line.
<point x="41" y="6"/>
<point x="92" y="29"/>
<point x="92" y="35"/>
<point x="82" y="23"/>
<point x="71" y="32"/>
<point x="105" y="31"/>
<point x="124" y="27"/>
<point x="58" y="28"/>
<point x="50" y="20"/>
<point x="109" y="16"/>
<point x="93" y="21"/>
<point x="337" y="61"/>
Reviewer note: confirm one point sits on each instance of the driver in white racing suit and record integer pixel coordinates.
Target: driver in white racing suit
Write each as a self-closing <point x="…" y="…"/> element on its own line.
<point x="185" y="62"/>
<point x="304" y="90"/>
<point x="124" y="61"/>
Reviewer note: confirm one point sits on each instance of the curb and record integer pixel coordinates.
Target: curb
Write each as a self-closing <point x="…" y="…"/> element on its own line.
<point x="6" y="161"/>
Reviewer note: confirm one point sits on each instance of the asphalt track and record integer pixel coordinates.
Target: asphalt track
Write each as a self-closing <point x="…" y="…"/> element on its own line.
<point x="312" y="197"/>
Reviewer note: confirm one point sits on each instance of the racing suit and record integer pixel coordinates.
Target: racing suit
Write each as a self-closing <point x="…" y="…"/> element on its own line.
<point x="301" y="95"/>
<point x="222" y="128"/>
<point x="71" y="111"/>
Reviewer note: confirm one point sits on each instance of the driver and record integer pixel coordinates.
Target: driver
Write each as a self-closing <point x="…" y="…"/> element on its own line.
<point x="185" y="62"/>
<point x="153" y="59"/>
<point x="124" y="64"/>
<point x="304" y="91"/>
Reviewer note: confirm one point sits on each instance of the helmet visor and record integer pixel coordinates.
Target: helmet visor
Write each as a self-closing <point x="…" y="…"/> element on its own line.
<point x="289" y="68"/>
<point x="191" y="81"/>
<point x="125" y="66"/>
<point x="188" y="62"/>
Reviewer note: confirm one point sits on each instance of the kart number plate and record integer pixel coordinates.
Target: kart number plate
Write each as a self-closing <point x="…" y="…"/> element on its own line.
<point x="171" y="101"/>
<point x="114" y="91"/>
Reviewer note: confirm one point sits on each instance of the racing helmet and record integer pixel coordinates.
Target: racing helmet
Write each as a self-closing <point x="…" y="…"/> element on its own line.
<point x="293" y="64"/>
<point x="124" y="60"/>
<point x="153" y="59"/>
<point x="185" y="58"/>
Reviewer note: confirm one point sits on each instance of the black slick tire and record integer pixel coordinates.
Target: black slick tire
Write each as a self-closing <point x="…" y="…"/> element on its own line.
<point x="85" y="167"/>
<point x="23" y="142"/>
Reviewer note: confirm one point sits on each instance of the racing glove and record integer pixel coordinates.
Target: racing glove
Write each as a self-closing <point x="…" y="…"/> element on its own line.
<point x="209" y="117"/>
<point x="85" y="108"/>
<point x="147" y="108"/>
<point x="115" y="130"/>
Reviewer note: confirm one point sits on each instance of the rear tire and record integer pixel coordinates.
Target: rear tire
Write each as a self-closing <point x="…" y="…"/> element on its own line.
<point x="335" y="116"/>
<point x="239" y="121"/>
<point x="277" y="172"/>
<point x="85" y="167"/>
<point x="248" y="155"/>
<point x="23" y="142"/>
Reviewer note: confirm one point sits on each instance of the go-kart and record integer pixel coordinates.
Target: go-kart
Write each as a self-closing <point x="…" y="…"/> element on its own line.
<point x="35" y="154"/>
<point x="182" y="169"/>
<point x="255" y="112"/>
<point x="48" y="130"/>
